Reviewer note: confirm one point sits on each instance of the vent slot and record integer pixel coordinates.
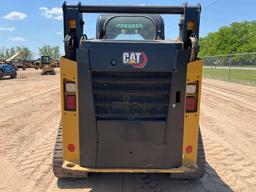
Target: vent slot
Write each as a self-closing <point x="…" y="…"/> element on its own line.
<point x="131" y="96"/>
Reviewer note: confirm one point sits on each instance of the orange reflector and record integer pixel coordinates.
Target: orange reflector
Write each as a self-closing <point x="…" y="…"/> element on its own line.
<point x="191" y="25"/>
<point x="71" y="147"/>
<point x="189" y="149"/>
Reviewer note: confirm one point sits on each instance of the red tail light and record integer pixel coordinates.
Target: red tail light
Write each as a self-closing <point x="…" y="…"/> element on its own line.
<point x="190" y="104"/>
<point x="70" y="102"/>
<point x="69" y="95"/>
<point x="191" y="96"/>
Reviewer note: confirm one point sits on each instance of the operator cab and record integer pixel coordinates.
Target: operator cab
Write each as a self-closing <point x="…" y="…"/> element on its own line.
<point x="130" y="27"/>
<point x="45" y="60"/>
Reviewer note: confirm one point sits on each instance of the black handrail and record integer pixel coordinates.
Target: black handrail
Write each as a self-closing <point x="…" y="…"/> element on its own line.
<point x="132" y="9"/>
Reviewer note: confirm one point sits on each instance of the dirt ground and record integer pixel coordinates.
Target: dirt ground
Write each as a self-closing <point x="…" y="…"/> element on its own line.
<point x="29" y="117"/>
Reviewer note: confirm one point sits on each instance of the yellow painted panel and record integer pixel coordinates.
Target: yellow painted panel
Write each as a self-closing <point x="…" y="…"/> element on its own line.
<point x="70" y="126"/>
<point x="191" y="120"/>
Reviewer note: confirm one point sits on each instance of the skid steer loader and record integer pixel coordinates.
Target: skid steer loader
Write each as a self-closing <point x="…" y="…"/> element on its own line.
<point x="130" y="99"/>
<point x="47" y="66"/>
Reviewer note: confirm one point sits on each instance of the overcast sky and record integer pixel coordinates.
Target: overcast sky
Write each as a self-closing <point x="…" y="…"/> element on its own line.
<point x="34" y="23"/>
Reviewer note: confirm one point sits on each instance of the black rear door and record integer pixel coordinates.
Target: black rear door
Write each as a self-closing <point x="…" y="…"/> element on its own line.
<point x="131" y="104"/>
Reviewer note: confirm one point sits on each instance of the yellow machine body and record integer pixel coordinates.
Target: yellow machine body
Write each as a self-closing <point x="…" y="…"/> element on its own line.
<point x="70" y="126"/>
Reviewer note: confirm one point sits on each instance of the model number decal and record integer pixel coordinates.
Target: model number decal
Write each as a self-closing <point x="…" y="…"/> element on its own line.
<point x="136" y="59"/>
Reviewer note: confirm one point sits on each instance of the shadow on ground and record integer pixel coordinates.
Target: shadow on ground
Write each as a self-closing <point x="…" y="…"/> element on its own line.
<point x="145" y="183"/>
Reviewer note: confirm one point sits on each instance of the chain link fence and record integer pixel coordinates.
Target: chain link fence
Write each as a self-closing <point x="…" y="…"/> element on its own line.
<point x="237" y="68"/>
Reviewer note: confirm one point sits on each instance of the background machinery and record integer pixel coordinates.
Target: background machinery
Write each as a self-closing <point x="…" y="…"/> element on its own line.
<point x="47" y="66"/>
<point x="36" y="64"/>
<point x="7" y="70"/>
<point x="18" y="64"/>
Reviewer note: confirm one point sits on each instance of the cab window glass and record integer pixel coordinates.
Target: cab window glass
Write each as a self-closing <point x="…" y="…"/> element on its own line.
<point x="46" y="60"/>
<point x="130" y="28"/>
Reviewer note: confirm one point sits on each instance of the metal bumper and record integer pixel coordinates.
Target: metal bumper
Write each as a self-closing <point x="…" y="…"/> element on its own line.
<point x="187" y="167"/>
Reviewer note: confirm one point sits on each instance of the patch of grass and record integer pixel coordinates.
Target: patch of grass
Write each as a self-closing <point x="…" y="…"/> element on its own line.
<point x="246" y="66"/>
<point x="235" y="75"/>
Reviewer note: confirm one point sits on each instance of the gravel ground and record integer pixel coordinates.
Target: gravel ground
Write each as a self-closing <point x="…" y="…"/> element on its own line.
<point x="30" y="113"/>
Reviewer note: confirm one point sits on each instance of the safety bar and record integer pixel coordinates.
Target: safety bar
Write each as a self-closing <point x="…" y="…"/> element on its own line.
<point x="132" y="9"/>
<point x="73" y="21"/>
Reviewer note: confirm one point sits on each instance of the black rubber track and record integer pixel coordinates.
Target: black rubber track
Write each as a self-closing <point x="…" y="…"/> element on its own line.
<point x="58" y="160"/>
<point x="200" y="163"/>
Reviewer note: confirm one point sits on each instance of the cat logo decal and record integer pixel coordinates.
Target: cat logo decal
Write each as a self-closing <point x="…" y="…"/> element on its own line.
<point x="135" y="59"/>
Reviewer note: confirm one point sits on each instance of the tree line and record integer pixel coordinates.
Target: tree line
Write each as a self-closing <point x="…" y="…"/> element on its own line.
<point x="6" y="53"/>
<point x="46" y="50"/>
<point x="52" y="51"/>
<point x="236" y="38"/>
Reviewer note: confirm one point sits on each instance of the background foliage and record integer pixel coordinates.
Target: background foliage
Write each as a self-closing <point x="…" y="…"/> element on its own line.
<point x="52" y="51"/>
<point x="6" y="53"/>
<point x="236" y="38"/>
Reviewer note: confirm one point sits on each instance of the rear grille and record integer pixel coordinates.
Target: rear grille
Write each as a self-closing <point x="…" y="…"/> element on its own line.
<point x="131" y="96"/>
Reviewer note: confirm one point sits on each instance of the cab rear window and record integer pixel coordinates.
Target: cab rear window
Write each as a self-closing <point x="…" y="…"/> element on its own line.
<point x="46" y="60"/>
<point x="130" y="28"/>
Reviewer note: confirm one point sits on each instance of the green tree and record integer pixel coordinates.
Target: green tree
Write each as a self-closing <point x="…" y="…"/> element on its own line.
<point x="27" y="54"/>
<point x="6" y="53"/>
<point x="236" y="38"/>
<point x="2" y="53"/>
<point x="52" y="51"/>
